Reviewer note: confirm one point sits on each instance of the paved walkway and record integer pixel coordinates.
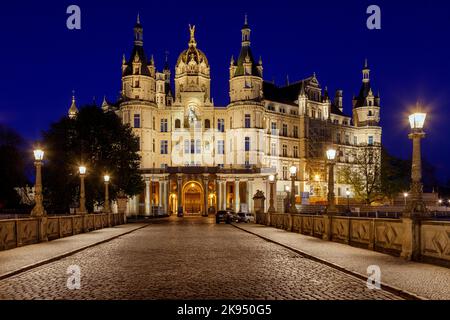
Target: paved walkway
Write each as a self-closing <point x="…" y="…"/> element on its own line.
<point x="420" y="279"/>
<point x="24" y="258"/>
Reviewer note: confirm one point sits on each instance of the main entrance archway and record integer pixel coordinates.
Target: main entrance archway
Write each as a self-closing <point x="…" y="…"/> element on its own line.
<point x="193" y="198"/>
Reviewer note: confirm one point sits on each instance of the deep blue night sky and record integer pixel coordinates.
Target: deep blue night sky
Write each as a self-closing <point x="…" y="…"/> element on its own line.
<point x="43" y="61"/>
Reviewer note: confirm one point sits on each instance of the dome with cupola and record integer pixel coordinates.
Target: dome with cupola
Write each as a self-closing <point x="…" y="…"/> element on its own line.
<point x="192" y="56"/>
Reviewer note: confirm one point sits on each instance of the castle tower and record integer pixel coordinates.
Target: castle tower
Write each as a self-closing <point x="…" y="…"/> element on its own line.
<point x="366" y="106"/>
<point x="192" y="74"/>
<point x="73" y="110"/>
<point x="245" y="73"/>
<point x="138" y="73"/>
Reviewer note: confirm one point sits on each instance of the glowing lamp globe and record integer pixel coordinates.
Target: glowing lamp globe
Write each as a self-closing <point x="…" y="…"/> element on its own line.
<point x="417" y="120"/>
<point x="331" y="154"/>
<point x="82" y="170"/>
<point x="38" y="155"/>
<point x="271" y="178"/>
<point x="293" y="170"/>
<point x="106" y="178"/>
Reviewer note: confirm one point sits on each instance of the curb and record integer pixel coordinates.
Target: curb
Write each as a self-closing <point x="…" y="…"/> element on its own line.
<point x="63" y="255"/>
<point x="384" y="286"/>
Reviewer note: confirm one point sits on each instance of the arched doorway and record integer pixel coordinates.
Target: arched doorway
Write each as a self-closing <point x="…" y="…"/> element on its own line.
<point x="193" y="199"/>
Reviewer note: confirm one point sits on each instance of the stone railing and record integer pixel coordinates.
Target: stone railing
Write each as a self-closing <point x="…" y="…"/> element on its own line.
<point x="390" y="236"/>
<point x="20" y="232"/>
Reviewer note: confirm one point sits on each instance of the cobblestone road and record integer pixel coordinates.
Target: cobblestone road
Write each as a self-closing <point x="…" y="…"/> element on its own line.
<point x="190" y="258"/>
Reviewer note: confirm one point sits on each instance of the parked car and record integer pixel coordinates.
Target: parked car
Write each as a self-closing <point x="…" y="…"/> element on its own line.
<point x="245" y="217"/>
<point x="224" y="216"/>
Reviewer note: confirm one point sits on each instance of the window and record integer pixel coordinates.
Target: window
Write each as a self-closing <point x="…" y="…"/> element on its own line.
<point x="137" y="120"/>
<point x="187" y="148"/>
<point x="221" y="147"/>
<point x="207" y="124"/>
<point x="370" y="112"/>
<point x="370" y="141"/>
<point x="285" y="173"/>
<point x="247" y="164"/>
<point x="355" y="140"/>
<point x="274" y="127"/>
<point x="247" y="143"/>
<point x="295" y="151"/>
<point x="198" y="146"/>
<point x="153" y="124"/>
<point x="338" y="137"/>
<point x="164" y="145"/>
<point x="231" y="123"/>
<point x="153" y="145"/>
<point x="284" y="150"/>
<point x="295" y="132"/>
<point x="347" y="139"/>
<point x="192" y="149"/>
<point x="319" y="114"/>
<point x="221" y="125"/>
<point x="285" y="130"/>
<point x="177" y="124"/>
<point x="163" y="125"/>
<point x="136" y="83"/>
<point x="273" y="149"/>
<point x="247" y="121"/>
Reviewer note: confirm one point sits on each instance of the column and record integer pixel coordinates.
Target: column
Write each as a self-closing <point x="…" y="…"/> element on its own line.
<point x="147" y="197"/>
<point x="237" y="204"/>
<point x="161" y="194"/>
<point x="206" y="194"/>
<point x="250" y="194"/>
<point x="179" y="186"/>
<point x="166" y="196"/>
<point x="225" y="200"/>
<point x="218" y="197"/>
<point x="151" y="196"/>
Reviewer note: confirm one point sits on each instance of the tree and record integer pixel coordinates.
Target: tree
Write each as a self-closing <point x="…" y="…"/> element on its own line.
<point x="364" y="176"/>
<point x="395" y="175"/>
<point x="13" y="166"/>
<point x="103" y="144"/>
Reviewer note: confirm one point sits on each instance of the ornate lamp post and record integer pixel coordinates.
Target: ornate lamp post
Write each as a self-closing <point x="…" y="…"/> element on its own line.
<point x="416" y="206"/>
<point x="347" y="193"/>
<point x="38" y="210"/>
<point x="271" y="200"/>
<point x="331" y="156"/>
<point x="405" y="196"/>
<point x="293" y="171"/>
<point x="82" y="209"/>
<point x="107" y="209"/>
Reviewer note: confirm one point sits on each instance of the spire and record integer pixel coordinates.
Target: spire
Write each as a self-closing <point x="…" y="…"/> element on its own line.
<point x="245" y="33"/>
<point x="192" y="42"/>
<point x="124" y="60"/>
<point x="260" y="61"/>
<point x="138" y="32"/>
<point x="232" y="60"/>
<point x="73" y="110"/>
<point x="366" y="72"/>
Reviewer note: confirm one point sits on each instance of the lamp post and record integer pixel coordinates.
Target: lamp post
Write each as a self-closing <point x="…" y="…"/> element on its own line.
<point x="348" y="200"/>
<point x="405" y="196"/>
<point x="38" y="210"/>
<point x="107" y="208"/>
<point x="271" y="200"/>
<point x="416" y="206"/>
<point x="293" y="171"/>
<point x="287" y="200"/>
<point x="82" y="209"/>
<point x="331" y="156"/>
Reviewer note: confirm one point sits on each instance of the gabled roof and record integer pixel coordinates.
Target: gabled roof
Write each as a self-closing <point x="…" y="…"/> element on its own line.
<point x="246" y="52"/>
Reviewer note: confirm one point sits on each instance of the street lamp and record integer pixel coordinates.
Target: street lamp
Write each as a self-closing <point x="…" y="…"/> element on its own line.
<point x="331" y="156"/>
<point x="107" y="208"/>
<point x="38" y="209"/>
<point x="348" y="200"/>
<point x="271" y="200"/>
<point x="287" y="201"/>
<point x="405" y="195"/>
<point x="293" y="171"/>
<point x="82" y="209"/>
<point x="417" y="206"/>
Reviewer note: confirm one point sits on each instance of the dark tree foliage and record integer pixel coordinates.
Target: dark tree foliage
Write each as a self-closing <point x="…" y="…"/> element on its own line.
<point x="395" y="175"/>
<point x="104" y="145"/>
<point x="13" y="163"/>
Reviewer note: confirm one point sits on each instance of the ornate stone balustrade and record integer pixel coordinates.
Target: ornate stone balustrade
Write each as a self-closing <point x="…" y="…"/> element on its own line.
<point x="19" y="232"/>
<point x="383" y="235"/>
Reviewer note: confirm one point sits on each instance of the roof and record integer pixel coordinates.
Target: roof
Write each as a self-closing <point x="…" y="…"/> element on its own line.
<point x="140" y="52"/>
<point x="246" y="53"/>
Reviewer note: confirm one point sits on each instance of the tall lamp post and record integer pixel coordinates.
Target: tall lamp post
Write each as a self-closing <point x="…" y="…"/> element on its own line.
<point x="82" y="209"/>
<point x="271" y="200"/>
<point x="38" y="210"/>
<point x="331" y="156"/>
<point x="106" y="178"/>
<point x="405" y="196"/>
<point x="293" y="171"/>
<point x="347" y="193"/>
<point x="416" y="206"/>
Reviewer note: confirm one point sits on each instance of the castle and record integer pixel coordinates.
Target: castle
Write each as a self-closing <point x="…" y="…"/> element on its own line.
<point x="197" y="157"/>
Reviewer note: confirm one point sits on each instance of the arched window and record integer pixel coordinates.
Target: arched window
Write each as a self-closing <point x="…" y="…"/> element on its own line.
<point x="207" y="124"/>
<point x="177" y="124"/>
<point x="370" y="113"/>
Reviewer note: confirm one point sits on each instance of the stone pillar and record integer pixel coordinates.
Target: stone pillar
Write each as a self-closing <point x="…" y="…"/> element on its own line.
<point x="161" y="194"/>
<point x="151" y="196"/>
<point x="411" y="239"/>
<point x="147" y="197"/>
<point x="218" y="195"/>
<point x="166" y="195"/>
<point x="179" y="195"/>
<point x="224" y="195"/>
<point x="206" y="194"/>
<point x="250" y="195"/>
<point x="237" y="202"/>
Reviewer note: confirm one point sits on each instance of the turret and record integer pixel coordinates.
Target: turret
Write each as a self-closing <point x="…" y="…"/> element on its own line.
<point x="338" y="100"/>
<point x="73" y="110"/>
<point x="245" y="73"/>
